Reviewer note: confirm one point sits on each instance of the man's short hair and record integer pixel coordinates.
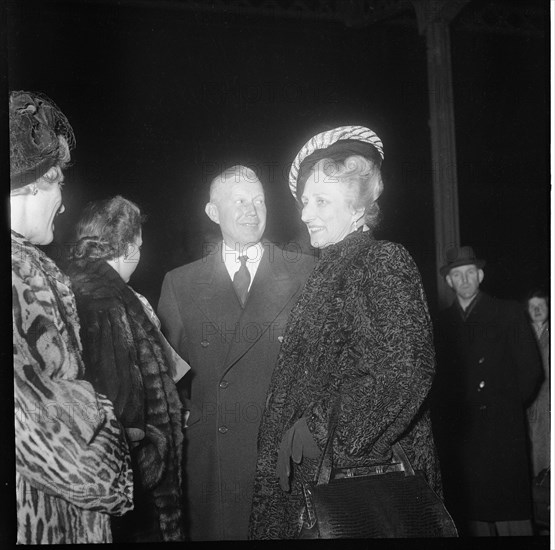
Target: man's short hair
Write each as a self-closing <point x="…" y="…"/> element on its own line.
<point x="236" y="173"/>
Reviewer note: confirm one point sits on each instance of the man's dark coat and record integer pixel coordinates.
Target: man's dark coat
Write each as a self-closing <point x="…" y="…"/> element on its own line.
<point x="488" y="370"/>
<point x="232" y="352"/>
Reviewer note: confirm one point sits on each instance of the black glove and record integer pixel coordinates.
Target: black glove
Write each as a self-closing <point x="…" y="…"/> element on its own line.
<point x="296" y="443"/>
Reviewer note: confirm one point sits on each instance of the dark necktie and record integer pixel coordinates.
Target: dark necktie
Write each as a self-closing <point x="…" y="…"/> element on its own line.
<point x="241" y="280"/>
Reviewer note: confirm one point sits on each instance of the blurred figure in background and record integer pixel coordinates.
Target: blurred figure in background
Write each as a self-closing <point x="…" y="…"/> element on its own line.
<point x="128" y="359"/>
<point x="539" y="412"/>
<point x="72" y="459"/>
<point x="489" y="370"/>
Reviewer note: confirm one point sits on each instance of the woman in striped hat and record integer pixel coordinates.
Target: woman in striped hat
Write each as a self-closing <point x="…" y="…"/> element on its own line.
<point x="358" y="341"/>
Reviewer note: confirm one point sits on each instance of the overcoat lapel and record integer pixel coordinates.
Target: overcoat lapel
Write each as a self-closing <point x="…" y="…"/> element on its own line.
<point x="270" y="293"/>
<point x="485" y="310"/>
<point x="216" y="300"/>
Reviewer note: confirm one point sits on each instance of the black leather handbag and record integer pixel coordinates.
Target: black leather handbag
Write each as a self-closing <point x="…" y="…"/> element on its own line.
<point x="383" y="501"/>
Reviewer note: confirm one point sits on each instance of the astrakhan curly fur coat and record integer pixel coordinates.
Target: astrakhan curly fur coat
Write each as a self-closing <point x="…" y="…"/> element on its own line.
<point x="360" y="331"/>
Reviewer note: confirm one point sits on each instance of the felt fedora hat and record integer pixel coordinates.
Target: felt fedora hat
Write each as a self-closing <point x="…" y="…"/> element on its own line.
<point x="457" y="256"/>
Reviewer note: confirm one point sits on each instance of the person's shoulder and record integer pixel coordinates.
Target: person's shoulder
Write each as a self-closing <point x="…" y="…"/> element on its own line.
<point x="304" y="262"/>
<point x="446" y="313"/>
<point x="93" y="289"/>
<point x="24" y="267"/>
<point x="502" y="311"/>
<point x="28" y="267"/>
<point x="389" y="247"/>
<point x="384" y="254"/>
<point x="190" y="270"/>
<point x="506" y="306"/>
<point x="290" y="256"/>
<point x="493" y="302"/>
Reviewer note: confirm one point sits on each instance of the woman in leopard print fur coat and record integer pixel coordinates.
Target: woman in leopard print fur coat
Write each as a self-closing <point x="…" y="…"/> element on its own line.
<point x="73" y="468"/>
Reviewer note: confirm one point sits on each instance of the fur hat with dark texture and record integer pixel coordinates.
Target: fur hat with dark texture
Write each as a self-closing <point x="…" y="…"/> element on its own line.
<point x="40" y="137"/>
<point x="457" y="256"/>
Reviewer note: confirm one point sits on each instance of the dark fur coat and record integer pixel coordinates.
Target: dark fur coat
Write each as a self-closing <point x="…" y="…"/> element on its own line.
<point x="125" y="361"/>
<point x="360" y="332"/>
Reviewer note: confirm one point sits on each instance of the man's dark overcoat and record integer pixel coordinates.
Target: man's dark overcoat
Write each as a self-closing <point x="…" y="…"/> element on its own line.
<point x="488" y="370"/>
<point x="232" y="352"/>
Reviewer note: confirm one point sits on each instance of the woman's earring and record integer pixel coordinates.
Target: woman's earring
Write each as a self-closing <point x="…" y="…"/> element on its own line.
<point x="35" y="190"/>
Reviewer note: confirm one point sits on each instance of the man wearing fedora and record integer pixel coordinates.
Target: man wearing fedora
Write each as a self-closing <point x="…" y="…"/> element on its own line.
<point x="488" y="371"/>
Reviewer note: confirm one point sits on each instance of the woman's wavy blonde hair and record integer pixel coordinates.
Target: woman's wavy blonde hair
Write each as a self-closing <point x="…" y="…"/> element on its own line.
<point x="363" y="180"/>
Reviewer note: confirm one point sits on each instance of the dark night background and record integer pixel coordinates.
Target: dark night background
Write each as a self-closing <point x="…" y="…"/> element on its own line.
<point x="161" y="97"/>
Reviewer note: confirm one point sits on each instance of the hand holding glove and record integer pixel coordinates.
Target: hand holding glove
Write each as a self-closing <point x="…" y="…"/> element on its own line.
<point x="296" y="443"/>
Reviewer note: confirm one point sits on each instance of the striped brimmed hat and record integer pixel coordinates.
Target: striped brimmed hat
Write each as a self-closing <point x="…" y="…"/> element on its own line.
<point x="325" y="139"/>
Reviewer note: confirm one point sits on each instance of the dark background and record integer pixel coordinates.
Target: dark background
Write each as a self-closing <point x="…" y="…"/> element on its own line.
<point x="163" y="97"/>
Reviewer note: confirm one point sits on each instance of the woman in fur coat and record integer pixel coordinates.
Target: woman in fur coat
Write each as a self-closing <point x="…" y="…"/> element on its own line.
<point x="127" y="359"/>
<point x="72" y="465"/>
<point x="358" y="341"/>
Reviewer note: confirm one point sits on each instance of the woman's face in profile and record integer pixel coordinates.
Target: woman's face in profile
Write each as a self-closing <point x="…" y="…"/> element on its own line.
<point x="538" y="310"/>
<point x="326" y="209"/>
<point x="44" y="206"/>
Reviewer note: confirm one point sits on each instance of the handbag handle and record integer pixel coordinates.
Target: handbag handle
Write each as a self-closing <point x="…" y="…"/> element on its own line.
<point x="323" y="474"/>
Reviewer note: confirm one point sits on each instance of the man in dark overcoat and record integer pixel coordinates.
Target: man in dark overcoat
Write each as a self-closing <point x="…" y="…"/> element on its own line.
<point x="225" y="315"/>
<point x="488" y="371"/>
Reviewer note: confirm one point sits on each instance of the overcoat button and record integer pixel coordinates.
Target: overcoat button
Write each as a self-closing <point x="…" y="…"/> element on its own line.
<point x="204" y="343"/>
<point x="224" y="384"/>
<point x="481" y="360"/>
<point x="280" y="339"/>
<point x="481" y="384"/>
<point x="223" y="429"/>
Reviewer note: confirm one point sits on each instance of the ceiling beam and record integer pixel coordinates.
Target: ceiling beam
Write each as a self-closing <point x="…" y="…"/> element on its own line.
<point x="494" y="16"/>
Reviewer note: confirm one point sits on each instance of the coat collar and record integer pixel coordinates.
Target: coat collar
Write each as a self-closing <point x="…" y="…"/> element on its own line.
<point x="483" y="306"/>
<point x="271" y="291"/>
<point x="465" y="313"/>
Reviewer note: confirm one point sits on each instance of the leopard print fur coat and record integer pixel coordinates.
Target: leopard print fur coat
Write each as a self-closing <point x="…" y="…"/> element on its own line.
<point x="73" y="468"/>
